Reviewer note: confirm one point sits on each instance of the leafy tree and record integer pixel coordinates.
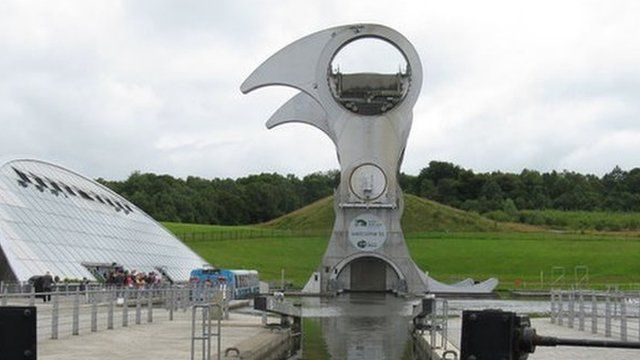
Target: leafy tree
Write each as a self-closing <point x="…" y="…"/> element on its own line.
<point x="261" y="197"/>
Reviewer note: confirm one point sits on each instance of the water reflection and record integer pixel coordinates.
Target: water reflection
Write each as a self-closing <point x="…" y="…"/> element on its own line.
<point x="376" y="326"/>
<point x="362" y="325"/>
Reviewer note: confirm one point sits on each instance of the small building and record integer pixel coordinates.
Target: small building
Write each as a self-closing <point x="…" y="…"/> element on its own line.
<point x="53" y="219"/>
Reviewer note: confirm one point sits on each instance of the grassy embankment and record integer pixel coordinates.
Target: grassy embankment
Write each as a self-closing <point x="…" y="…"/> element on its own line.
<point x="581" y="220"/>
<point x="449" y="243"/>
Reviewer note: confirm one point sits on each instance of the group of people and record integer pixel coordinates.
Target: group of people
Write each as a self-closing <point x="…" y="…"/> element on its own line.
<point x="134" y="279"/>
<point x="43" y="284"/>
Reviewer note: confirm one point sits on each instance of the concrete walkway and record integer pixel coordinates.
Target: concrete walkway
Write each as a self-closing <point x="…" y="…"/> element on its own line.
<point x="168" y="340"/>
<point x="544" y="327"/>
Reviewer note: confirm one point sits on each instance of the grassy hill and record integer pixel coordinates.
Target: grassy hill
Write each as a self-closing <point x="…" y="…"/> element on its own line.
<point x="420" y="215"/>
<point x="317" y="217"/>
<point x="451" y="244"/>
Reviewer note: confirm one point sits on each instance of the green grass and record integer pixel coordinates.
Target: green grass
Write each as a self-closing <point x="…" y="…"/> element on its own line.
<point x="511" y="256"/>
<point x="581" y="220"/>
<point x="420" y="215"/>
<point x="449" y="256"/>
<point x="299" y="257"/>
<point x="317" y="216"/>
<point x="448" y="243"/>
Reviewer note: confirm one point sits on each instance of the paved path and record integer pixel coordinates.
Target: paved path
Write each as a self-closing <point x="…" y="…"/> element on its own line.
<point x="168" y="340"/>
<point x="544" y="327"/>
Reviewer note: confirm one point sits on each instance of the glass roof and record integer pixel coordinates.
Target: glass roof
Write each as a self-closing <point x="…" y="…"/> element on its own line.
<point x="52" y="219"/>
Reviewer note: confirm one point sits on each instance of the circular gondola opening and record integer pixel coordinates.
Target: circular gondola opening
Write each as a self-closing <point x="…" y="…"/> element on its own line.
<point x="369" y="76"/>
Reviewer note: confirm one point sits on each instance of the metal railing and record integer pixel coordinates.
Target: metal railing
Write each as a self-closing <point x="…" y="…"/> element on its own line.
<point x="26" y="287"/>
<point x="260" y="233"/>
<point x="257" y="233"/>
<point x="210" y="302"/>
<point x="62" y="313"/>
<point x="612" y="313"/>
<point x="432" y="316"/>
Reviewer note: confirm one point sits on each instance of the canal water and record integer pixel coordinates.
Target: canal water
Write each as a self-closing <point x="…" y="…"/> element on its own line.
<point x="356" y="326"/>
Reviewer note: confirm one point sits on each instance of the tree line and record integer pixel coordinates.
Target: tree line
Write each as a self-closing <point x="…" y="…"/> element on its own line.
<point x="246" y="200"/>
<point x="618" y="190"/>
<point x="258" y="198"/>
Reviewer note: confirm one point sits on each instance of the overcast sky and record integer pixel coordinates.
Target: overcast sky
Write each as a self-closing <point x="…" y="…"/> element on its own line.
<point x="110" y="87"/>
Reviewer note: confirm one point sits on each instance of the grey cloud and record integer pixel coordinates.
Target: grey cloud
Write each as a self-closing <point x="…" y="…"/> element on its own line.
<point x="110" y="87"/>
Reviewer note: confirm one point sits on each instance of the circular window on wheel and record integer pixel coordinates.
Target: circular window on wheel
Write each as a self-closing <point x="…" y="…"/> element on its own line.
<point x="368" y="182"/>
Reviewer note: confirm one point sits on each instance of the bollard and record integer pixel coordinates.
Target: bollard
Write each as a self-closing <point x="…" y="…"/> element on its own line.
<point x="225" y="303"/>
<point x="168" y="297"/>
<point x="150" y="306"/>
<point x="572" y="299"/>
<point x="94" y="313"/>
<point x="180" y="300"/>
<point x="554" y="314"/>
<point x="623" y="318"/>
<point x="112" y="296"/>
<point x="5" y="294"/>
<point x="607" y="315"/>
<point x="32" y="298"/>
<point x="637" y="302"/>
<point x="75" y="329"/>
<point x="193" y="333"/>
<point x="445" y="324"/>
<point x="125" y="307"/>
<point x="55" y="312"/>
<point x="171" y="303"/>
<point x="581" y="311"/>
<point x="218" y="334"/>
<point x="594" y="313"/>
<point x="560" y="308"/>
<point x="138" y="307"/>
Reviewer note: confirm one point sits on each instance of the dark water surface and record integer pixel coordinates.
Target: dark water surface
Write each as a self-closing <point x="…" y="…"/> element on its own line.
<point x="357" y="326"/>
<point x="361" y="325"/>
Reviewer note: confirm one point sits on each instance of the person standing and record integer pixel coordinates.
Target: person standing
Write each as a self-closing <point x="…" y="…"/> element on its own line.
<point x="47" y="286"/>
<point x="36" y="282"/>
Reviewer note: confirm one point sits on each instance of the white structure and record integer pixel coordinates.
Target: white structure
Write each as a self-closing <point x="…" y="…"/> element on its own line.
<point x="53" y="219"/>
<point x="368" y="117"/>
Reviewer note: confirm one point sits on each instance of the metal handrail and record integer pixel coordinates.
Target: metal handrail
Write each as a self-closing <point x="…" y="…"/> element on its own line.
<point x="65" y="312"/>
<point x="612" y="313"/>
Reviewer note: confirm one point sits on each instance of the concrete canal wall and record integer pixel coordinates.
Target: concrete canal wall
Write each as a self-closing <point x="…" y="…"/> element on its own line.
<point x="267" y="344"/>
<point x="423" y="349"/>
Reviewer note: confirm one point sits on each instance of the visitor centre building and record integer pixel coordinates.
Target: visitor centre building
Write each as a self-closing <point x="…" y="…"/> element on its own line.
<point x="53" y="219"/>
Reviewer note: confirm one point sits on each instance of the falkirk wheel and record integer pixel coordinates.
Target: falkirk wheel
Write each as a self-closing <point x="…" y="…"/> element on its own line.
<point x="368" y="117"/>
